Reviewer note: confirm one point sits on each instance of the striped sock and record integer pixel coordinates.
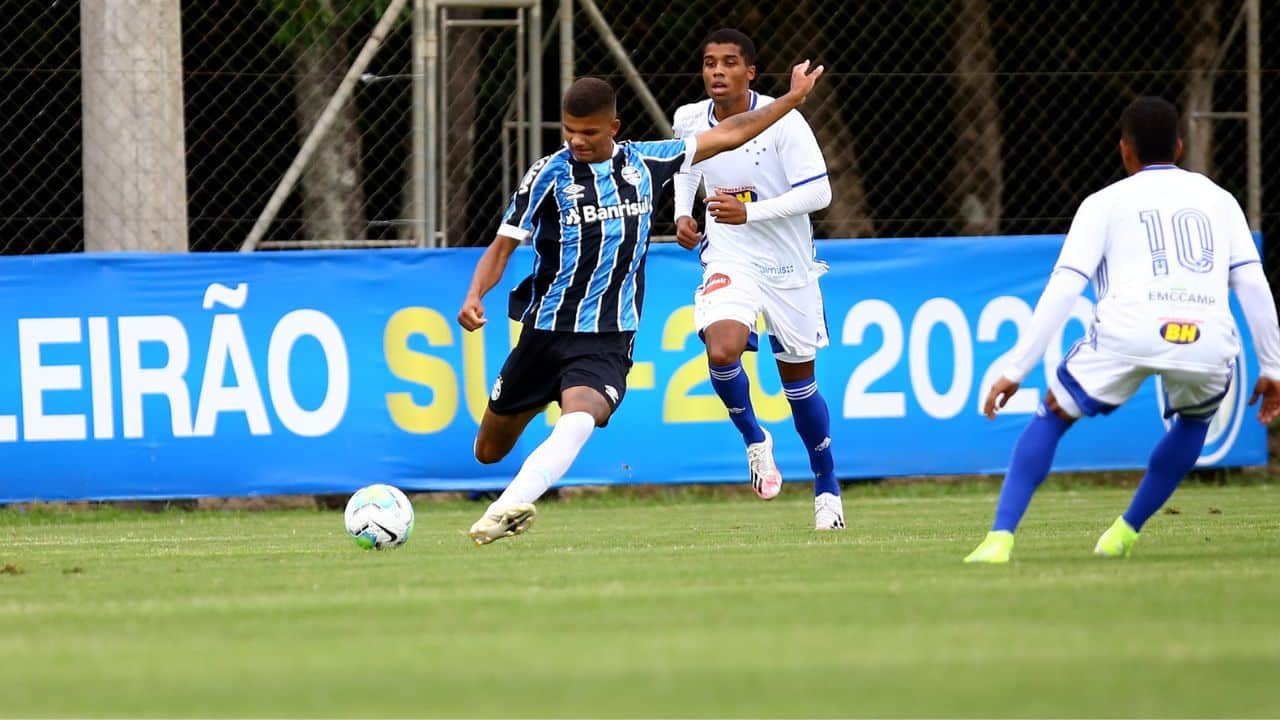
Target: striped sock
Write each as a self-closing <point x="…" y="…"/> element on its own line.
<point x="734" y="389"/>
<point x="813" y="422"/>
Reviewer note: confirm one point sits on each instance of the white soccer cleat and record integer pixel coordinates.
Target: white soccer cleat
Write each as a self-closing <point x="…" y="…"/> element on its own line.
<point x="765" y="478"/>
<point x="503" y="523"/>
<point x="828" y="512"/>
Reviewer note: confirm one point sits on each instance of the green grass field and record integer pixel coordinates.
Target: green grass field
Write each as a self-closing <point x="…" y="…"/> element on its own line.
<point x="681" y="605"/>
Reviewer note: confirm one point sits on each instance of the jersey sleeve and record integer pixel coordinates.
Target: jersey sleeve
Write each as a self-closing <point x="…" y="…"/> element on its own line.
<point x="665" y="158"/>
<point x="798" y="148"/>
<point x="686" y="183"/>
<point x="1243" y="251"/>
<point x="535" y="189"/>
<point x="1086" y="240"/>
<point x="680" y="121"/>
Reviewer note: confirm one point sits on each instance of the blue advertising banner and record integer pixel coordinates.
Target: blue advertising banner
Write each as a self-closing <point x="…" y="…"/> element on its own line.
<point x="151" y="376"/>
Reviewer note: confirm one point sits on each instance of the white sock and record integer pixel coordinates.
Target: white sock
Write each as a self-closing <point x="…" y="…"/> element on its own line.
<point x="548" y="462"/>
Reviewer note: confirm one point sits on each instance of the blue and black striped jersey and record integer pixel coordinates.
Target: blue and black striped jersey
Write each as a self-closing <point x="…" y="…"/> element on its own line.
<point x="589" y="225"/>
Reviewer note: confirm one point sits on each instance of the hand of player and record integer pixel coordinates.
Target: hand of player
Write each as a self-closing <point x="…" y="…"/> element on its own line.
<point x="1269" y="391"/>
<point x="998" y="397"/>
<point x="727" y="209"/>
<point x="471" y="316"/>
<point x="687" y="234"/>
<point x="803" y="80"/>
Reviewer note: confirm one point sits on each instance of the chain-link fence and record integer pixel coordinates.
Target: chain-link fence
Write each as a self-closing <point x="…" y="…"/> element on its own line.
<point x="253" y="78"/>
<point x="965" y="116"/>
<point x="936" y="117"/>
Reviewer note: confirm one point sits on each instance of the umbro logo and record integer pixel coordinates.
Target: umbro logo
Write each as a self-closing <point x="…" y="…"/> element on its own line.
<point x="736" y="411"/>
<point x="497" y="389"/>
<point x="826" y="443"/>
<point x="612" y="392"/>
<point x="574" y="192"/>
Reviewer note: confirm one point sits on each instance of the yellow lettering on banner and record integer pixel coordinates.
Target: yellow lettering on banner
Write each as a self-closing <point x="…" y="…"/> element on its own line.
<point x="641" y="377"/>
<point x="421" y="369"/>
<point x="475" y="387"/>
<point x="678" y="404"/>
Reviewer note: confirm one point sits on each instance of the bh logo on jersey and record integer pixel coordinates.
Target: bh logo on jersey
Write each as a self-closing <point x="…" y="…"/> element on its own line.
<point x="743" y="193"/>
<point x="1225" y="425"/>
<point x="1180" y="332"/>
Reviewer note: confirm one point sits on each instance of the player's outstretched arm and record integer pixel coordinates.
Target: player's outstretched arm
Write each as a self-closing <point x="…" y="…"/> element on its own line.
<point x="1051" y="311"/>
<point x="487" y="274"/>
<point x="742" y="127"/>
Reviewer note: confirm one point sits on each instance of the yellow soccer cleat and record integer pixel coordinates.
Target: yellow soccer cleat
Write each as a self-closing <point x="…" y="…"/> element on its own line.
<point x="994" y="550"/>
<point x="503" y="523"/>
<point x="1117" y="541"/>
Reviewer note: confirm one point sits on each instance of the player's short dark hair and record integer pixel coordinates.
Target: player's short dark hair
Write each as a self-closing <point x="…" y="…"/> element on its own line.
<point x="588" y="96"/>
<point x="730" y="36"/>
<point x="1151" y="126"/>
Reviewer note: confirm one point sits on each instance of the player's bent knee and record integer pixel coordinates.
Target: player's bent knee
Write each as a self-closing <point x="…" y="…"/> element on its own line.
<point x="726" y="341"/>
<point x="722" y="356"/>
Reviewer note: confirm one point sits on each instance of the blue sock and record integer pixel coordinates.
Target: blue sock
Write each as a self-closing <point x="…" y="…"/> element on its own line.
<point x="1171" y="460"/>
<point x="813" y="422"/>
<point x="1029" y="466"/>
<point x="734" y="389"/>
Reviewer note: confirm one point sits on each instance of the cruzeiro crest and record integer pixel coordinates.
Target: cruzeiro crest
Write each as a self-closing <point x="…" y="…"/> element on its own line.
<point x="1225" y="425"/>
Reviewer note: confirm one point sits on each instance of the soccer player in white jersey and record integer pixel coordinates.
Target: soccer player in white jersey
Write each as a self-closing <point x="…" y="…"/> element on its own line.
<point x="1163" y="248"/>
<point x="758" y="258"/>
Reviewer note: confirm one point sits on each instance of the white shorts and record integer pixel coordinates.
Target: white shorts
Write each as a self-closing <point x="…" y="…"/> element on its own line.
<point x="1090" y="382"/>
<point x="793" y="317"/>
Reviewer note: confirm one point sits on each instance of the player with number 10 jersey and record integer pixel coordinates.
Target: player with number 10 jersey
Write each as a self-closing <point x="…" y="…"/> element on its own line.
<point x="1164" y="247"/>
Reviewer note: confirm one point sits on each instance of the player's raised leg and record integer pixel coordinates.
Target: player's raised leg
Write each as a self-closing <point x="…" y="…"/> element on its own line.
<point x="508" y="515"/>
<point x="513" y="512"/>
<point x="726" y="340"/>
<point x="812" y="419"/>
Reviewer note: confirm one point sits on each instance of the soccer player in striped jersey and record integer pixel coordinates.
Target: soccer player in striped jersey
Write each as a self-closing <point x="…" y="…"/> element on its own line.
<point x="1164" y="248"/>
<point x="586" y="209"/>
<point x="758" y="257"/>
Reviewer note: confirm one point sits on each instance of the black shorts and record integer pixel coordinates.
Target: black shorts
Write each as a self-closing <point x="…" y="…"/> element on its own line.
<point x="544" y="363"/>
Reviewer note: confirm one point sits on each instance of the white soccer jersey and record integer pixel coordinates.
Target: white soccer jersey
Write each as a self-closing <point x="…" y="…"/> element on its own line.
<point x="783" y="157"/>
<point x="1159" y="247"/>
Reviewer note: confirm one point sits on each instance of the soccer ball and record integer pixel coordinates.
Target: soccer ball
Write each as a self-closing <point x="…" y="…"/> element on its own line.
<point x="379" y="516"/>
